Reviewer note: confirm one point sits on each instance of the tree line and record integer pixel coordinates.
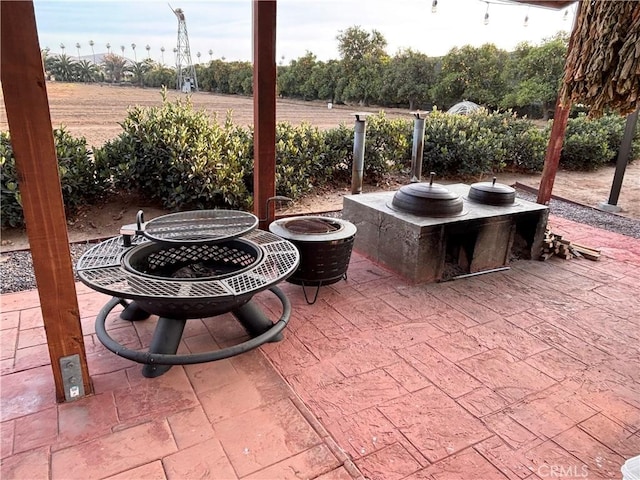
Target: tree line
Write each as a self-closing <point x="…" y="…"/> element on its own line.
<point x="526" y="80"/>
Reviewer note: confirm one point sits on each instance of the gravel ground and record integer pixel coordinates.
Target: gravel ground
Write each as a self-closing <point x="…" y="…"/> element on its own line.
<point x="16" y="271"/>
<point x="589" y="216"/>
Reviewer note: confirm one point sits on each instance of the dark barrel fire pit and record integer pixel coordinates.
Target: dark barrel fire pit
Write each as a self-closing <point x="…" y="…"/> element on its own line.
<point x="185" y="266"/>
<point x="325" y="246"/>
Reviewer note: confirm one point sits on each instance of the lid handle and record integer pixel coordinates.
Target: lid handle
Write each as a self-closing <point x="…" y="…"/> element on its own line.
<point x="140" y="220"/>
<point x="494" y="182"/>
<point x="431" y="177"/>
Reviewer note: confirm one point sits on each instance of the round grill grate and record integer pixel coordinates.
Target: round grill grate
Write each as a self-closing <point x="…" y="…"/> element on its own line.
<point x="203" y="226"/>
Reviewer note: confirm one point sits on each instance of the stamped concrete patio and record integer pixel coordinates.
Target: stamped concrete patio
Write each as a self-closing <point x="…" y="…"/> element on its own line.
<point x="528" y="373"/>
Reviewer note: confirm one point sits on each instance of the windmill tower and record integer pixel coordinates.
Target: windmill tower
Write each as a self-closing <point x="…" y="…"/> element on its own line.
<point x="186" y="72"/>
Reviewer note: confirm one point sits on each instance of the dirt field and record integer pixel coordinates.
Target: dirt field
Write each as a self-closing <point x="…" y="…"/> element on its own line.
<point x="94" y="112"/>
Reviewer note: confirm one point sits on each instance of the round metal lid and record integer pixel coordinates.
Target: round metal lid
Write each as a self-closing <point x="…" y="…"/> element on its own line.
<point x="313" y="228"/>
<point x="492" y="193"/>
<point x="198" y="226"/>
<point x="427" y="199"/>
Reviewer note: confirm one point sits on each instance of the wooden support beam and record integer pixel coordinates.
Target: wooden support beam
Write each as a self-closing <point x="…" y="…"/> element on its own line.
<point x="27" y="107"/>
<point x="264" y="108"/>
<point x="560" y="119"/>
<point x="554" y="149"/>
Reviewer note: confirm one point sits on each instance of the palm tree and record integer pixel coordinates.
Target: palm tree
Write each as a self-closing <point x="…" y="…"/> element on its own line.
<point x="63" y="68"/>
<point x="210" y="55"/>
<point x="91" y="44"/>
<point x="148" y="49"/>
<point x="162" y="54"/>
<point x="114" y="66"/>
<point x="122" y="48"/>
<point x="78" y="47"/>
<point x="108" y="48"/>
<point x="133" y="47"/>
<point x="139" y="69"/>
<point x="86" y="71"/>
<point x="62" y="48"/>
<point x="198" y="55"/>
<point x="175" y="54"/>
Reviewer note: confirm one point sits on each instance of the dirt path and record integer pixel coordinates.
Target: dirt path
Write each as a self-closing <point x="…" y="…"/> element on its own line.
<point x="94" y="111"/>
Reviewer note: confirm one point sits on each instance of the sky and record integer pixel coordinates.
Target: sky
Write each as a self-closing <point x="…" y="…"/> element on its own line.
<point x="224" y="27"/>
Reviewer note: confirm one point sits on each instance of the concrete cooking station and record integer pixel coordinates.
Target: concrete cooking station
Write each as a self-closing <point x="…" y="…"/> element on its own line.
<point x="427" y="249"/>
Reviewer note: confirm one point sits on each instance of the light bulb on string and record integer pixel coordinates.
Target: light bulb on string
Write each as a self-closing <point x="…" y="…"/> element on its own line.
<point x="486" y="15"/>
<point x="526" y="19"/>
<point x="566" y="15"/>
<point x="434" y="6"/>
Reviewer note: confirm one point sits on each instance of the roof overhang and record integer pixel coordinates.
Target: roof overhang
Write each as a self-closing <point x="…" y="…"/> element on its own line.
<point x="554" y="4"/>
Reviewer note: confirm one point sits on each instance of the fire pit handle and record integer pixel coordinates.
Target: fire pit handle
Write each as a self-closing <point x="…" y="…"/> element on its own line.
<point x="277" y="198"/>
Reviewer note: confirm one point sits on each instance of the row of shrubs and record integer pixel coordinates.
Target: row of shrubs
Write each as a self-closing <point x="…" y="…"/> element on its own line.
<point x="182" y="158"/>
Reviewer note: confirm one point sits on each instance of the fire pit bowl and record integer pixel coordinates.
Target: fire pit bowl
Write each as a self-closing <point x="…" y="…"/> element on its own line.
<point x="325" y="246"/>
<point x="192" y="265"/>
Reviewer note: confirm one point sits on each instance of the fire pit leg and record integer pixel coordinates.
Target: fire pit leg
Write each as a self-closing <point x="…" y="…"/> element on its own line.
<point x="132" y="312"/>
<point x="315" y="296"/>
<point x="254" y="321"/>
<point x="166" y="339"/>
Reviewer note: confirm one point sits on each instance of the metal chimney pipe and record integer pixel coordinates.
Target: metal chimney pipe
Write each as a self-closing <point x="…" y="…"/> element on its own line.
<point x="418" y="146"/>
<point x="359" y="134"/>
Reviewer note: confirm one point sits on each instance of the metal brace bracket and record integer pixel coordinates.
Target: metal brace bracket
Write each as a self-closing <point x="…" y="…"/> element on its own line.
<point x="72" y="380"/>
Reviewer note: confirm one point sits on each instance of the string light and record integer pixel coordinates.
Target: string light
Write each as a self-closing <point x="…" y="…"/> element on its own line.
<point x="525" y="23"/>
<point x="434" y="6"/>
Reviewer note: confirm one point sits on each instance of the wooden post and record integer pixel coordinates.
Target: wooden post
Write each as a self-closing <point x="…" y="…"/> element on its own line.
<point x="264" y="108"/>
<point x="554" y="149"/>
<point x="560" y="119"/>
<point x="27" y="107"/>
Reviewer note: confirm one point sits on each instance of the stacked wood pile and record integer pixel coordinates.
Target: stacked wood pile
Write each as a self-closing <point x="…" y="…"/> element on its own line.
<point x="603" y="63"/>
<point x="554" y="244"/>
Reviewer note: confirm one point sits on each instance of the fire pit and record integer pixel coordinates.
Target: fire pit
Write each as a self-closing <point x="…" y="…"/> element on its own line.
<point x="325" y="246"/>
<point x="186" y="266"/>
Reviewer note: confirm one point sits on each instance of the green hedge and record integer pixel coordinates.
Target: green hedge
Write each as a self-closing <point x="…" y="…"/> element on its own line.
<point x="592" y="143"/>
<point x="84" y="179"/>
<point x="184" y="159"/>
<point x="301" y="159"/>
<point x="181" y="158"/>
<point x="11" y="202"/>
<point x="461" y="145"/>
<point x="524" y="145"/>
